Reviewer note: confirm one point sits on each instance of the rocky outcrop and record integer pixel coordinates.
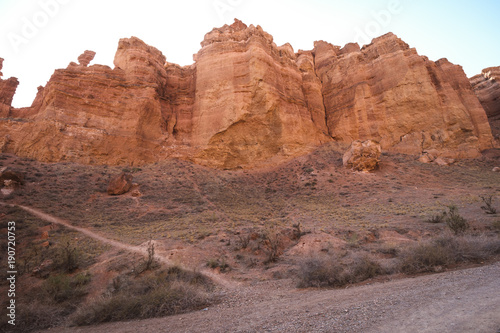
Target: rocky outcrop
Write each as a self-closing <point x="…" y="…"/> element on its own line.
<point x="247" y="102"/>
<point x="7" y="90"/>
<point x="389" y="93"/>
<point x="487" y="88"/>
<point x="363" y="156"/>
<point x="94" y="114"/>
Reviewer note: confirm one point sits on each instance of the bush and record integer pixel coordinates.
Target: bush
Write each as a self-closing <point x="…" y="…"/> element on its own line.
<point x="61" y="287"/>
<point x="488" y="206"/>
<point x="35" y="316"/>
<point x="439" y="218"/>
<point x="219" y="263"/>
<point x="455" y="221"/>
<point x="361" y="269"/>
<point x="436" y="254"/>
<point x="320" y="273"/>
<point x="330" y="272"/>
<point x="155" y="294"/>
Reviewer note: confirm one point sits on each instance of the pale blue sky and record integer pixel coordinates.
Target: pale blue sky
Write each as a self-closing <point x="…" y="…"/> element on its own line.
<point x="38" y="36"/>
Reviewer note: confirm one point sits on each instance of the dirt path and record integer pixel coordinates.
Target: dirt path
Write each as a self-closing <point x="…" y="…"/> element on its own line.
<point x="457" y="301"/>
<point x="141" y="250"/>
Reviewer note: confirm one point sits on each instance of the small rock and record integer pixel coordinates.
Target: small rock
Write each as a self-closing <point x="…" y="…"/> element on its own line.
<point x="443" y="161"/>
<point x="496" y="169"/>
<point x="426" y="158"/>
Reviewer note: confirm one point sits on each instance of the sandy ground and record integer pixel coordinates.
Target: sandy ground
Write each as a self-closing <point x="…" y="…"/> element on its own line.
<point x="457" y="301"/>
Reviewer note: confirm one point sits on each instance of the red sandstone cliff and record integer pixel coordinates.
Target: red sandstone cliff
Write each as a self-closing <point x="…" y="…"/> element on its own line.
<point x="387" y="92"/>
<point x="245" y="101"/>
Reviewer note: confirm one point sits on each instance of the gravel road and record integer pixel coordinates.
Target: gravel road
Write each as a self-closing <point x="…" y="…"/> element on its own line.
<point x="457" y="301"/>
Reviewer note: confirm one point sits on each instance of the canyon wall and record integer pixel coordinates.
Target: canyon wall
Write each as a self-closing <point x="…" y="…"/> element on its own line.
<point x="246" y="102"/>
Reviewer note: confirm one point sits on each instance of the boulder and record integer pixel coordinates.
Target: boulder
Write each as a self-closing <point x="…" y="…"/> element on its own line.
<point x="121" y="184"/>
<point x="443" y="161"/>
<point x="363" y="156"/>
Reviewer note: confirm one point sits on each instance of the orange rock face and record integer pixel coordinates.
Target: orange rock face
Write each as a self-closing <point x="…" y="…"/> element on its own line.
<point x="487" y="88"/>
<point x="246" y="102"/>
<point x="249" y="103"/>
<point x="387" y="92"/>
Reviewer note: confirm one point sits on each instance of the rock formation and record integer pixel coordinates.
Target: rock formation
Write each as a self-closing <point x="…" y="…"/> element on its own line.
<point x="246" y="101"/>
<point x="86" y="57"/>
<point x="7" y="90"/>
<point x="487" y="88"/>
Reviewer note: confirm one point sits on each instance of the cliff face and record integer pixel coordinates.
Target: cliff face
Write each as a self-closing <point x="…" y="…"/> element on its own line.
<point x="387" y="92"/>
<point x="487" y="88"/>
<point x="246" y="101"/>
<point x="249" y="102"/>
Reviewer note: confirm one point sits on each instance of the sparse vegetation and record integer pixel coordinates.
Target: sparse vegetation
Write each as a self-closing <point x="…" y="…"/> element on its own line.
<point x="488" y="206"/>
<point x="272" y="244"/>
<point x="62" y="287"/>
<point x="221" y="264"/>
<point x="438" y="218"/>
<point x="330" y="271"/>
<point x="455" y="221"/>
<point x="433" y="255"/>
<point x="150" y="261"/>
<point x="436" y="254"/>
<point x="155" y="294"/>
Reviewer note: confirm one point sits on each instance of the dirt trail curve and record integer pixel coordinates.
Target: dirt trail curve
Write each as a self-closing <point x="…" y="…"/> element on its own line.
<point x="142" y="250"/>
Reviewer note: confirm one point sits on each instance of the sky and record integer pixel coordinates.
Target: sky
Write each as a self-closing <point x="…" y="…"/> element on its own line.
<point x="39" y="36"/>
